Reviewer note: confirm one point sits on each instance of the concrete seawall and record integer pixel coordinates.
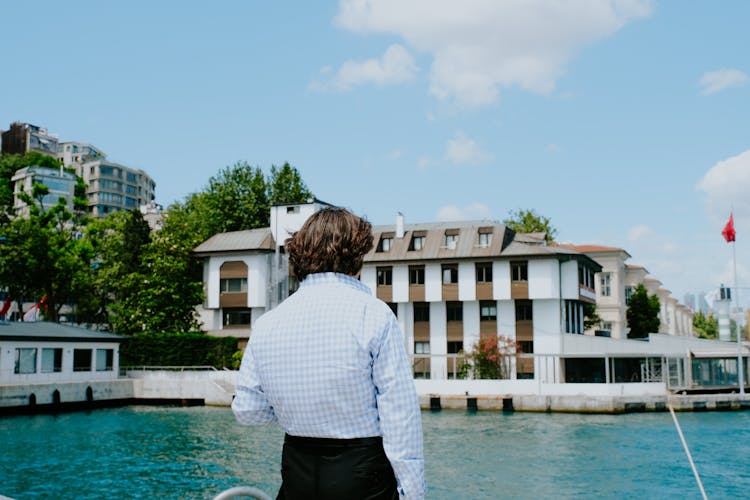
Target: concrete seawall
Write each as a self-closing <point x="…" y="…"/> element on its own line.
<point x="585" y="404"/>
<point x="217" y="388"/>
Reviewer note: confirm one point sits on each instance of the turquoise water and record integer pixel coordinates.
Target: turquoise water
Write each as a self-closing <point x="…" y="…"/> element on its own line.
<point x="186" y="453"/>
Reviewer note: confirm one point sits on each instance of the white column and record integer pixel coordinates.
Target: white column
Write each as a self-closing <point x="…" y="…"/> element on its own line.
<point x="433" y="284"/>
<point x="471" y="324"/>
<point x="438" y="341"/>
<point x="400" y="283"/>
<point x="467" y="281"/>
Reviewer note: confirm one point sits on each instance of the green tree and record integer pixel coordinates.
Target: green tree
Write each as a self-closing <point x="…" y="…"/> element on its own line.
<point x="44" y="255"/>
<point x="707" y="327"/>
<point x="590" y="316"/>
<point x="118" y="243"/>
<point x="528" y="221"/>
<point x="643" y="313"/>
<point x="239" y="196"/>
<point x="285" y="185"/>
<point x="9" y="164"/>
<point x="164" y="291"/>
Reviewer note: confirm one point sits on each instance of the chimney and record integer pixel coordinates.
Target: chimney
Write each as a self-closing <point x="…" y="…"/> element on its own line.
<point x="399" y="225"/>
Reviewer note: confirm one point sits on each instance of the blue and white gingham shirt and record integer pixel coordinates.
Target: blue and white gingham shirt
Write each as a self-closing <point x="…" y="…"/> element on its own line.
<point x="330" y="362"/>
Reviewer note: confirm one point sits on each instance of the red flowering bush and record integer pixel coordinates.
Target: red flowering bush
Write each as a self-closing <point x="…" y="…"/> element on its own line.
<point x="490" y="358"/>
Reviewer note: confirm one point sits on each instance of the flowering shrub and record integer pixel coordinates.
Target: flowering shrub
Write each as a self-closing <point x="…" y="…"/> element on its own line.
<point x="490" y="358"/>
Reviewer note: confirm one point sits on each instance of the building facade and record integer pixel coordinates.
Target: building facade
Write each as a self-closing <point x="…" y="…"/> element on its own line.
<point x="451" y="285"/>
<point x="40" y="353"/>
<point x="61" y="184"/>
<point x="615" y="285"/>
<point x="112" y="187"/>
<point x="23" y="138"/>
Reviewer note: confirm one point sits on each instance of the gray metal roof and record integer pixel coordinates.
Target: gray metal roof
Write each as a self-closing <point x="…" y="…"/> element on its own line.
<point x="434" y="243"/>
<point x="237" y="241"/>
<point x="43" y="330"/>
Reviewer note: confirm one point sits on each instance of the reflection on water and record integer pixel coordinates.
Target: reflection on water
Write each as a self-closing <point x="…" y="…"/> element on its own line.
<point x="185" y="453"/>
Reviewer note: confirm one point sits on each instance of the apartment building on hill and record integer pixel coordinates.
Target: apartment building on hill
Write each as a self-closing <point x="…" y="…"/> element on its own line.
<point x="22" y="138"/>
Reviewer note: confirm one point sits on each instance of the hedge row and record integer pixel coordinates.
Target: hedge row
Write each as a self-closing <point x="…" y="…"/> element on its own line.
<point x="193" y="349"/>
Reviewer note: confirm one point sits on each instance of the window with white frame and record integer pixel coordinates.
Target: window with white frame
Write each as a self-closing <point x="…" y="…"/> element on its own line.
<point x="25" y="360"/>
<point x="231" y="285"/>
<point x="628" y="294"/>
<point x="519" y="271"/>
<point x="487" y="310"/>
<point x="385" y="276"/>
<point x="605" y="283"/>
<point x="484" y="272"/>
<point x="450" y="274"/>
<point x="52" y="359"/>
<point x="421" y="348"/>
<point x="417" y="242"/>
<point x="450" y="240"/>
<point x="104" y="360"/>
<point x="484" y="238"/>
<point x="385" y="243"/>
<point x="416" y="275"/>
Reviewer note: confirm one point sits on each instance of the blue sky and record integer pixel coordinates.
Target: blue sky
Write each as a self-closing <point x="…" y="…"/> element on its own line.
<point x="625" y="122"/>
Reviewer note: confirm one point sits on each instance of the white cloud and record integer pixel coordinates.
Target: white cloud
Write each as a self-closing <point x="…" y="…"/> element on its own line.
<point x="423" y="162"/>
<point x="726" y="186"/>
<point x="716" y="81"/>
<point x="395" y="66"/>
<point x="639" y="232"/>
<point x="552" y="148"/>
<point x="472" y="211"/>
<point x="479" y="46"/>
<point x="462" y="150"/>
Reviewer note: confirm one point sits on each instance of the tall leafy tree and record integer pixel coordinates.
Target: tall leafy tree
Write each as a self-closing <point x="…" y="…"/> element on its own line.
<point x="166" y="287"/>
<point x="44" y="254"/>
<point x="239" y="197"/>
<point x="528" y="221"/>
<point x="643" y="313"/>
<point x="285" y="185"/>
<point x="119" y="242"/>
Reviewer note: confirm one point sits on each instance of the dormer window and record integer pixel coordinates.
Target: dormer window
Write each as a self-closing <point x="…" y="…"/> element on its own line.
<point x="385" y="243"/>
<point x="485" y="237"/>
<point x="450" y="240"/>
<point x="417" y="241"/>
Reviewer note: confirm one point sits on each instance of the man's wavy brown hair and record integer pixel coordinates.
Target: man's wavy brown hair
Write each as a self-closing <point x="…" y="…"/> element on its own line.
<point x="331" y="240"/>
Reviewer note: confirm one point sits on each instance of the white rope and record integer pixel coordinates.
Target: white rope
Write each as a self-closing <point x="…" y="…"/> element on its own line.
<point x="687" y="451"/>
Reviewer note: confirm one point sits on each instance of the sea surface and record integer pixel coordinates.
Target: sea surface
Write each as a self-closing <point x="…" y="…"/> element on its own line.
<point x="186" y="453"/>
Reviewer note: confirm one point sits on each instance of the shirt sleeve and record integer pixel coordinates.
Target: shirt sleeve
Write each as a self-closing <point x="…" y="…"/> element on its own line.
<point x="250" y="405"/>
<point x="399" y="412"/>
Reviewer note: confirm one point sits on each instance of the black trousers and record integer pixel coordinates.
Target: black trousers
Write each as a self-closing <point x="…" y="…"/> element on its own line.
<point x="335" y="469"/>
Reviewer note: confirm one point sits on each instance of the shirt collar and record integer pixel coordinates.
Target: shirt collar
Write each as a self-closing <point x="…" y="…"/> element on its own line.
<point x="333" y="279"/>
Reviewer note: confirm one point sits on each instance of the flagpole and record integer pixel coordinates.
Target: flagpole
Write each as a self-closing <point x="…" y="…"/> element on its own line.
<point x="740" y="370"/>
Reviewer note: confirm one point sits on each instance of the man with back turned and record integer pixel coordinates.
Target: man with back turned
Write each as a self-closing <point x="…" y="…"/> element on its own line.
<point x="329" y="365"/>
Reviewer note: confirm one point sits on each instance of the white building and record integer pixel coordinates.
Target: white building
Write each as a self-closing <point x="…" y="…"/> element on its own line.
<point x="615" y="285"/>
<point x="44" y="353"/>
<point x="61" y="184"/>
<point x="452" y="284"/>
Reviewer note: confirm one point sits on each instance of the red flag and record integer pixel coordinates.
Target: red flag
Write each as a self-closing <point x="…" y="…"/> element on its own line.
<point x="6" y="306"/>
<point x="728" y="232"/>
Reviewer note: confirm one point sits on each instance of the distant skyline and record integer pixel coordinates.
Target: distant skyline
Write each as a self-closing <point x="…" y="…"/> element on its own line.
<point x="624" y="121"/>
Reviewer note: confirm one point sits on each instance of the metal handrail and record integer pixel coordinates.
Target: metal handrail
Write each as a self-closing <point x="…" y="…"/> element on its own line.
<point x="242" y="491"/>
<point x="171" y="368"/>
